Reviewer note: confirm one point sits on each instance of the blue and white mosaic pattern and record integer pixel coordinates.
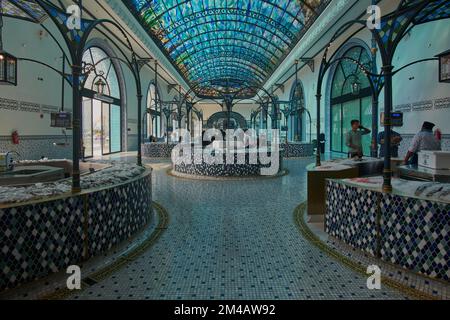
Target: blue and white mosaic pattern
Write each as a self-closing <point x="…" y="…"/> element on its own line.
<point x="43" y="238"/>
<point x="36" y="147"/>
<point x="352" y="216"/>
<point x="233" y="240"/>
<point x="221" y="167"/>
<point x="416" y="235"/>
<point x="297" y="150"/>
<point x="411" y="233"/>
<point x="158" y="150"/>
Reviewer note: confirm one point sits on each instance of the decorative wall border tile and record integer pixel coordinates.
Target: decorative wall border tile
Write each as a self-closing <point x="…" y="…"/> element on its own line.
<point x="403" y="107"/>
<point x="422" y="105"/>
<point x="443" y="103"/>
<point x="25" y="106"/>
<point x="8" y="104"/>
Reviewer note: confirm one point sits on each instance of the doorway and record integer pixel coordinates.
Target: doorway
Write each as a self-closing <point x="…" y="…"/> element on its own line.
<point x="101" y="128"/>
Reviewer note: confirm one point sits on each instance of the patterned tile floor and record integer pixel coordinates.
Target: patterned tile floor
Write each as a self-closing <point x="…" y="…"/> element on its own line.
<point x="233" y="240"/>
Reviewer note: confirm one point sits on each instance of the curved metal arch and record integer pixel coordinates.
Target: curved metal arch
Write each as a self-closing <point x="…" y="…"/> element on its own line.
<point x="224" y="115"/>
<point x="358" y="67"/>
<point x="62" y="74"/>
<point x="252" y="99"/>
<point x="216" y="55"/>
<point x="175" y="55"/>
<point x="193" y="88"/>
<point x="256" y="88"/>
<point x="158" y="16"/>
<point x="211" y="99"/>
<point x="295" y="86"/>
<point x="208" y="64"/>
<point x="246" y="49"/>
<point x="181" y="42"/>
<point x="337" y="34"/>
<point x="157" y="94"/>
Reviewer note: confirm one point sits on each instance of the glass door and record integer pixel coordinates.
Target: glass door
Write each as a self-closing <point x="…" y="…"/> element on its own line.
<point x="101" y="128"/>
<point x="87" y="128"/>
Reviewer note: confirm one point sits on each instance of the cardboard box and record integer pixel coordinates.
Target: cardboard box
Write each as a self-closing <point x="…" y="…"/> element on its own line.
<point x="437" y="160"/>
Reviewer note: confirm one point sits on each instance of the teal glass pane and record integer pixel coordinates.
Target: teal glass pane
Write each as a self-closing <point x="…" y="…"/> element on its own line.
<point x="97" y="62"/>
<point x="338" y="83"/>
<point x="105" y="128"/>
<point x="226" y="44"/>
<point x="366" y="121"/>
<point x="336" y="128"/>
<point x="115" y="129"/>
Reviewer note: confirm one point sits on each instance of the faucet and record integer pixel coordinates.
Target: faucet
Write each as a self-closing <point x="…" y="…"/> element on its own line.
<point x="11" y="164"/>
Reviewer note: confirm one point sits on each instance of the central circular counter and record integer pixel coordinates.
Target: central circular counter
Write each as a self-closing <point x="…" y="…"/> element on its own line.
<point x="241" y="163"/>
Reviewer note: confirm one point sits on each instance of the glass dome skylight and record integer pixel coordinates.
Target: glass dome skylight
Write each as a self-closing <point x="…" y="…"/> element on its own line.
<point x="226" y="44"/>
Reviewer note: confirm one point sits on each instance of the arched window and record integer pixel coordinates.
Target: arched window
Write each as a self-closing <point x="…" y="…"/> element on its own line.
<point x="153" y="113"/>
<point x="296" y="127"/>
<point x="102" y="123"/>
<point x="350" y="98"/>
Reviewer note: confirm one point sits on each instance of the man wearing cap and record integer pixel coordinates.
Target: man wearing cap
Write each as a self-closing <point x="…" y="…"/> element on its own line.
<point x="425" y="140"/>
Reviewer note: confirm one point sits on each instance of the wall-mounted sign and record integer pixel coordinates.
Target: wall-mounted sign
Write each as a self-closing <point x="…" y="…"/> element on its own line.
<point x="396" y="119"/>
<point x="61" y="120"/>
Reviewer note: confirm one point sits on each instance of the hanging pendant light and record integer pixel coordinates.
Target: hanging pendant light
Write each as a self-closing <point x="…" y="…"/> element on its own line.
<point x="100" y="84"/>
<point x="355" y="85"/>
<point x="8" y="63"/>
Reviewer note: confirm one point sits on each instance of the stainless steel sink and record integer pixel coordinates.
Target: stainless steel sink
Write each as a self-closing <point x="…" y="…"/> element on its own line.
<point x="30" y="175"/>
<point x="22" y="172"/>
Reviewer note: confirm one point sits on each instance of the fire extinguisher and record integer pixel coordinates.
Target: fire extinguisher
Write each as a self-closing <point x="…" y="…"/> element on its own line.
<point x="15" y="137"/>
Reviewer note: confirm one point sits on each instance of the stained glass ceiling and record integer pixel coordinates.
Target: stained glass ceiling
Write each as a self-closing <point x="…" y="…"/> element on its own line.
<point x="224" y="46"/>
<point x="23" y="9"/>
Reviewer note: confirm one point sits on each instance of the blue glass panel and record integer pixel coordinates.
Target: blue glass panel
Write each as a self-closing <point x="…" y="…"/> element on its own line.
<point x="233" y="41"/>
<point x="23" y="9"/>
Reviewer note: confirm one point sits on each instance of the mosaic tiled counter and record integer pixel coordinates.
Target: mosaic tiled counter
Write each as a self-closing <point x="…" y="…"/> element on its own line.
<point x="297" y="150"/>
<point x="402" y="229"/>
<point x="158" y="150"/>
<point x="43" y="237"/>
<point x="221" y="167"/>
<point x="335" y="169"/>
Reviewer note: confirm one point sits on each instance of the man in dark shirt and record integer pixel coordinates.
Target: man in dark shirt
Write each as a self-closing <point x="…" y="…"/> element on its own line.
<point x="396" y="138"/>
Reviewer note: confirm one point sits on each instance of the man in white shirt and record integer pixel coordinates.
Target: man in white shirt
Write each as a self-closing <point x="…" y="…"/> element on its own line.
<point x="425" y="140"/>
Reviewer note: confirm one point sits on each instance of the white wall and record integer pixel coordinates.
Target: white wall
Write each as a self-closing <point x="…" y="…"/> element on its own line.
<point x="28" y="40"/>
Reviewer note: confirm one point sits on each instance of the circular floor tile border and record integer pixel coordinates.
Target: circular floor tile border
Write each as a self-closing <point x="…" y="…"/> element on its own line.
<point x="175" y="174"/>
<point x="122" y="261"/>
<point x="300" y="214"/>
